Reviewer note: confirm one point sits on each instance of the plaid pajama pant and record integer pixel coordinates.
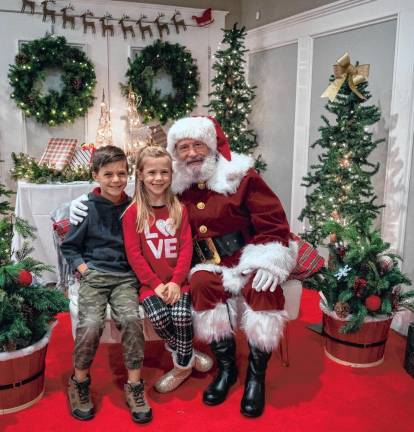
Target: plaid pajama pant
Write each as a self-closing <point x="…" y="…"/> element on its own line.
<point x="173" y="323"/>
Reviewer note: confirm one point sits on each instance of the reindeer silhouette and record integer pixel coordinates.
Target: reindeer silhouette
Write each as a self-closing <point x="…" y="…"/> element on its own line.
<point x="68" y="18"/>
<point x="144" y="28"/>
<point x="87" y="24"/>
<point x="47" y="11"/>
<point x="178" y="23"/>
<point x="126" y="28"/>
<point x="161" y="26"/>
<point x="29" y="3"/>
<point x="106" y="27"/>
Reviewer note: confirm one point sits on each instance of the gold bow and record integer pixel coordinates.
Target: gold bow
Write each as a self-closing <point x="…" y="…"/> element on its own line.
<point x="343" y="70"/>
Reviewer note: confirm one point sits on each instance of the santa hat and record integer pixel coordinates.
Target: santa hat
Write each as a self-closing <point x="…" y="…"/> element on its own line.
<point x="205" y="129"/>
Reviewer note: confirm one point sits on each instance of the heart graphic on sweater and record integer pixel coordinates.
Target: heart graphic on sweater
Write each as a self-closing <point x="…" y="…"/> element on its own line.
<point x="165" y="227"/>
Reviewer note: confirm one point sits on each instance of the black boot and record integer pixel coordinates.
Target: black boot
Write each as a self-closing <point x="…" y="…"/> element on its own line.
<point x="225" y="352"/>
<point x="253" y="402"/>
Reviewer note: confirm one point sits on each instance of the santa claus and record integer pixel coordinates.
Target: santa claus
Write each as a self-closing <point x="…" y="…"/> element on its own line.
<point x="242" y="254"/>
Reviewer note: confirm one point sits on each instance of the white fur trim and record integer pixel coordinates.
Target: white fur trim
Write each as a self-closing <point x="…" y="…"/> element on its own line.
<point x="178" y="366"/>
<point x="233" y="280"/>
<point x="226" y="177"/>
<point x="213" y="268"/>
<point x="213" y="324"/>
<point x="198" y="128"/>
<point x="229" y="174"/>
<point x="274" y="257"/>
<point x="263" y="329"/>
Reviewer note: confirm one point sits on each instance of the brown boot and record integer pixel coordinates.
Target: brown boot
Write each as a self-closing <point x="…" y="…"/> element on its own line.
<point x="80" y="402"/>
<point x="137" y="402"/>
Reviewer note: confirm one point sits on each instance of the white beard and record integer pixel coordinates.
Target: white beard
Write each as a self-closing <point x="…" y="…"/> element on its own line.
<point x="197" y="174"/>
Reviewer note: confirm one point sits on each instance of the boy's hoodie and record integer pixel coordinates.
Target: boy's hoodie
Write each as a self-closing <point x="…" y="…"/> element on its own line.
<point x="98" y="240"/>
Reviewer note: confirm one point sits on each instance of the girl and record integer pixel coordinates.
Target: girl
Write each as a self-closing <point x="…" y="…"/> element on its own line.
<point x="158" y="245"/>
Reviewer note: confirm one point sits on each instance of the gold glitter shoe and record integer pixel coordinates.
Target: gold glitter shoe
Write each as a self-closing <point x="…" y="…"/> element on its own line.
<point x="202" y="362"/>
<point x="172" y="379"/>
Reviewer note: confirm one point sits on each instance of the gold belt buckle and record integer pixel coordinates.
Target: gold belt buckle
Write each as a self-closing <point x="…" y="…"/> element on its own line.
<point x="212" y="248"/>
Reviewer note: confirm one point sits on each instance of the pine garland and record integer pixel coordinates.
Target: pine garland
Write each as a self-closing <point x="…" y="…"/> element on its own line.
<point x="28" y="169"/>
<point x="78" y="78"/>
<point x="179" y="64"/>
<point x="231" y="98"/>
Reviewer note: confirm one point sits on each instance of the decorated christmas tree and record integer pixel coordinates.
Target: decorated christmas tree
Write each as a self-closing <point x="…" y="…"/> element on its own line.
<point x="26" y="306"/>
<point x="339" y="183"/>
<point x="104" y="132"/>
<point x="362" y="278"/>
<point x="231" y="98"/>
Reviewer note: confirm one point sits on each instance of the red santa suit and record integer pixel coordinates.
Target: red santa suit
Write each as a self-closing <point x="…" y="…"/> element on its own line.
<point x="236" y="199"/>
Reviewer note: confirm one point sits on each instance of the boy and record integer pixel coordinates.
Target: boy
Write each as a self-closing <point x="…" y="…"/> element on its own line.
<point x="96" y="249"/>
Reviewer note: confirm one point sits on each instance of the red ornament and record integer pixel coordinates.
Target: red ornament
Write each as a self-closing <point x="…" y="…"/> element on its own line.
<point x="24" y="278"/>
<point x="373" y="303"/>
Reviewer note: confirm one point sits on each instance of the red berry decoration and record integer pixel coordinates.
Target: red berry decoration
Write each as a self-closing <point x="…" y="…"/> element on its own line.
<point x="373" y="303"/>
<point x="25" y="278"/>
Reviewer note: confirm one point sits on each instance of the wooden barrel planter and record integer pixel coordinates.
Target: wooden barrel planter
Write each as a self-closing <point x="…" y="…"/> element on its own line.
<point x="22" y="376"/>
<point x="364" y="348"/>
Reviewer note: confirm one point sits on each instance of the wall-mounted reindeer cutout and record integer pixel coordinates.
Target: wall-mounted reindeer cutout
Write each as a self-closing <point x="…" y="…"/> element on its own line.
<point x="68" y="18"/>
<point x="144" y="28"/>
<point x="87" y="24"/>
<point x="48" y="12"/>
<point x="30" y="4"/>
<point x="106" y="27"/>
<point x="126" y="28"/>
<point x="161" y="26"/>
<point x="178" y="23"/>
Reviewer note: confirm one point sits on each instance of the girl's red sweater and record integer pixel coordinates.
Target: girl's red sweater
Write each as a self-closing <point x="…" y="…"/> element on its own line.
<point x="160" y="253"/>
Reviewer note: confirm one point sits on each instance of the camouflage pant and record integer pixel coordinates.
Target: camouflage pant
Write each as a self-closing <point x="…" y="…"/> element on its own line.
<point x="120" y="290"/>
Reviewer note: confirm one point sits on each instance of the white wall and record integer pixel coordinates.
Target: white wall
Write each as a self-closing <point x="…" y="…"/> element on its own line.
<point x="379" y="32"/>
<point x="109" y="56"/>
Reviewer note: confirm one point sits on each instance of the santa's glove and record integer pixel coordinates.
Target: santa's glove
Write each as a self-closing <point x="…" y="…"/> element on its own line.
<point x="77" y="210"/>
<point x="263" y="280"/>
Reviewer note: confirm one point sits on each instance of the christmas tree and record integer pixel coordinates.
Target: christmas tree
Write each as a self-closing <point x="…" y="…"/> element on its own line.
<point x="104" y="132"/>
<point x="340" y="182"/>
<point x="231" y="99"/>
<point x="26" y="306"/>
<point x="362" y="277"/>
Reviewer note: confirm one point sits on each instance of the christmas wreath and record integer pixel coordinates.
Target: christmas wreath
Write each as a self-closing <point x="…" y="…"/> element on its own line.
<point x="78" y="78"/>
<point x="176" y="61"/>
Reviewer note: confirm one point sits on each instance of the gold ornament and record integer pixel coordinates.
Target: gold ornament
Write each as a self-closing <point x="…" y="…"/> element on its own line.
<point x="343" y="70"/>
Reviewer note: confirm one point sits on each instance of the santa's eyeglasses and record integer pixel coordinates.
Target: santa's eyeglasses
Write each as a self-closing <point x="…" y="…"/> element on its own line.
<point x="184" y="149"/>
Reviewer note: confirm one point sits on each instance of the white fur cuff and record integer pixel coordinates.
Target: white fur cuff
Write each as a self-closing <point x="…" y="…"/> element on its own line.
<point x="274" y="257"/>
<point x="263" y="329"/>
<point x="213" y="324"/>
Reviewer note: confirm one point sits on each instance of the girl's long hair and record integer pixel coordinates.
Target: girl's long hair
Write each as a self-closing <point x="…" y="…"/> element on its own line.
<point x="145" y="214"/>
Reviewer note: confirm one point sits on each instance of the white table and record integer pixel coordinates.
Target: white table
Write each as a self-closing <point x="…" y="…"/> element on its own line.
<point x="35" y="203"/>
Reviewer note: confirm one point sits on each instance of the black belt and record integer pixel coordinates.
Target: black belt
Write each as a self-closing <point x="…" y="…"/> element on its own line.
<point x="210" y="250"/>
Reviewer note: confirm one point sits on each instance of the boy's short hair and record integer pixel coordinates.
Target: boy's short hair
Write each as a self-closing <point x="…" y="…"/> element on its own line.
<point x="105" y="155"/>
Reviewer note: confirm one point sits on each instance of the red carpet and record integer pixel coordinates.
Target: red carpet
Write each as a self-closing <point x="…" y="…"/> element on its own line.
<point x="313" y="394"/>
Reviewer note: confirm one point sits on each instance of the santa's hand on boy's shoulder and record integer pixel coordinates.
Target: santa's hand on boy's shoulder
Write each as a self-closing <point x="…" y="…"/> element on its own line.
<point x="77" y="210"/>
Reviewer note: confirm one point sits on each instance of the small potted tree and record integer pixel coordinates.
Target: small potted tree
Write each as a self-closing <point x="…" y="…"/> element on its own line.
<point x="27" y="311"/>
<point x="361" y="283"/>
<point x="361" y="291"/>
